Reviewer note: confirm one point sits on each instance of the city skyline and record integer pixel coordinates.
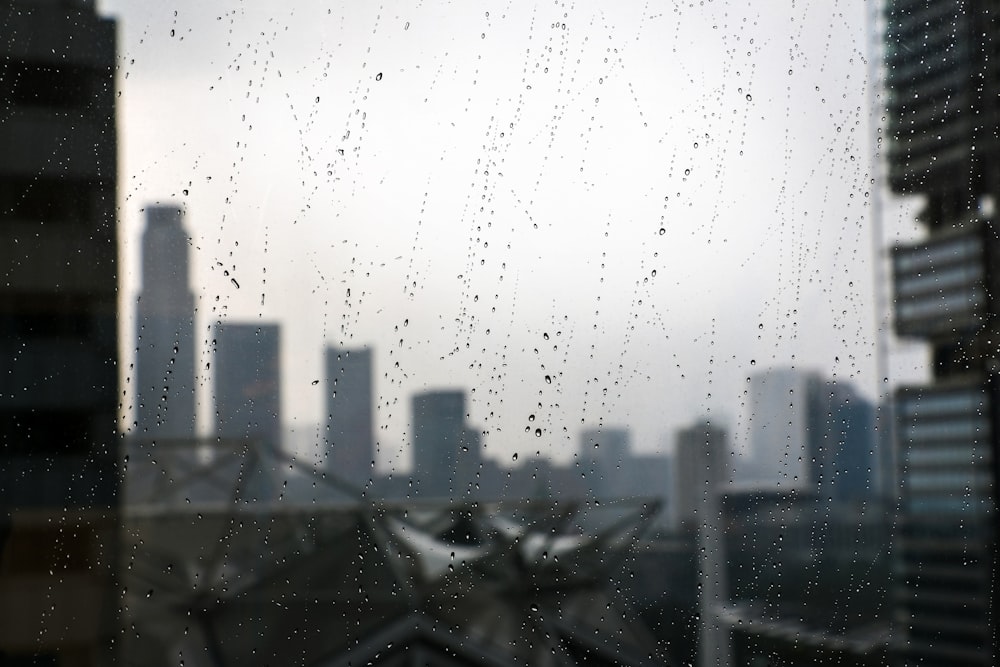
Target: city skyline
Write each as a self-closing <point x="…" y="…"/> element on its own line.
<point x="371" y="240"/>
<point x="615" y="283"/>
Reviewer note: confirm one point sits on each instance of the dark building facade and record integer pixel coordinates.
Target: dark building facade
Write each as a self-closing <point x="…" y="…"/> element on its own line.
<point x="350" y="440"/>
<point x="58" y="339"/>
<point x="603" y="452"/>
<point x="247" y="374"/>
<point x="842" y="442"/>
<point x="165" y="353"/>
<point x="443" y="445"/>
<point x="943" y="80"/>
<point x="420" y="583"/>
<point x="700" y="458"/>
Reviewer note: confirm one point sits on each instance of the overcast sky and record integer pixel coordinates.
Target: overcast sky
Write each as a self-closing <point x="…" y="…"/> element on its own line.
<point x="585" y="212"/>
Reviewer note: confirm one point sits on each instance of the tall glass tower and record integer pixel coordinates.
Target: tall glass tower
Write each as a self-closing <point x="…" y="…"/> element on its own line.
<point x="943" y="80"/>
<point x="164" y="364"/>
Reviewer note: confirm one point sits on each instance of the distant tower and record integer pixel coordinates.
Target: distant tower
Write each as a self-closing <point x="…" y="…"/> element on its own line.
<point x="842" y="442"/>
<point x="247" y="374"/>
<point x="439" y="438"/>
<point x="604" y="452"/>
<point x="702" y="448"/>
<point x="164" y="363"/>
<point x="699" y="447"/>
<point x="349" y="414"/>
<point x="779" y="430"/>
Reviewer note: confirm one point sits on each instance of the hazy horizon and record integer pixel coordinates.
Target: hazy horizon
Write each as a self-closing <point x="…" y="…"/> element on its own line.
<point x="643" y="208"/>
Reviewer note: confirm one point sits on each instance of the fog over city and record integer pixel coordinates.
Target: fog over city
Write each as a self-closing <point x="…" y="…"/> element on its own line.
<point x="582" y="214"/>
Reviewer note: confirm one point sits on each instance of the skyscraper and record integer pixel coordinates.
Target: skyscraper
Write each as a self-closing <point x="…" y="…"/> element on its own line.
<point x="247" y="373"/>
<point x="778" y="423"/>
<point x="350" y="442"/>
<point x="441" y="442"/>
<point x="809" y="434"/>
<point x="58" y="340"/>
<point x="164" y="364"/>
<point x="943" y="80"/>
<point x="842" y="442"/>
<point x="701" y="473"/>
<point x="699" y="464"/>
<point x="603" y="452"/>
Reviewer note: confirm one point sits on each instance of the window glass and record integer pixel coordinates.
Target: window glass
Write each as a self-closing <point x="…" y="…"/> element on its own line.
<point x="543" y="333"/>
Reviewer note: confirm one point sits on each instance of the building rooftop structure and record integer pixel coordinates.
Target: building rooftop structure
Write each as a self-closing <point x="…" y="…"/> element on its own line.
<point x="242" y="555"/>
<point x="417" y="583"/>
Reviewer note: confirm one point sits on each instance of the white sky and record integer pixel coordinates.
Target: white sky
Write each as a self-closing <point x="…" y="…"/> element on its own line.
<point x="670" y="195"/>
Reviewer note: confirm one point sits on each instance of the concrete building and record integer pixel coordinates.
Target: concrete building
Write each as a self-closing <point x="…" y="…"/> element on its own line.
<point x="943" y="81"/>
<point x="349" y="439"/>
<point x="700" y="457"/>
<point x="603" y="451"/>
<point x="810" y="434"/>
<point x="247" y="373"/>
<point x="778" y="423"/>
<point x="165" y="349"/>
<point x="58" y="335"/>
<point x="442" y="444"/>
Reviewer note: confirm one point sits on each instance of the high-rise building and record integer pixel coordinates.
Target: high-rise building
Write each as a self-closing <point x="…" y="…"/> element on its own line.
<point x="165" y="354"/>
<point x="442" y="443"/>
<point x="842" y="442"/>
<point x="943" y="80"/>
<point x="699" y="461"/>
<point x="603" y="452"/>
<point x="350" y="441"/>
<point x="809" y="434"/>
<point x="247" y="373"/>
<point x="58" y="335"/>
<point x="778" y="423"/>
<point x="701" y="474"/>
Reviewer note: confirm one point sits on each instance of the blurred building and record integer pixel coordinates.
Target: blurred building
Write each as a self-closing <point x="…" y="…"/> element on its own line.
<point x="426" y="583"/>
<point x="602" y="452"/>
<point x="350" y="440"/>
<point x="443" y="445"/>
<point x="58" y="339"/>
<point x="165" y="354"/>
<point x="778" y="419"/>
<point x="943" y="80"/>
<point x="809" y="580"/>
<point x="842" y="442"/>
<point x="809" y="434"/>
<point x="247" y="374"/>
<point x="700" y="458"/>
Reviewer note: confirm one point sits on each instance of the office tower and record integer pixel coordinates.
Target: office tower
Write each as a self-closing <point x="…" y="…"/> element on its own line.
<point x="943" y="80"/>
<point x="700" y="457"/>
<point x="441" y="440"/>
<point x="702" y="471"/>
<point x="247" y="373"/>
<point x="350" y="442"/>
<point x="603" y="452"/>
<point x="58" y="340"/>
<point x="809" y="434"/>
<point x="164" y="362"/>
<point x="778" y="421"/>
<point x="842" y="442"/>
